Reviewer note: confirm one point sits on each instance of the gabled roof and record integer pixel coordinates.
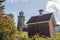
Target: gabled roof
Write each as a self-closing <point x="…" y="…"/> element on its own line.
<point x="44" y="17"/>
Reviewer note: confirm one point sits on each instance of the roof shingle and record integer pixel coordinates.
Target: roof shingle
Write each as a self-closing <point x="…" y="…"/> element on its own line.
<point x="44" y="17"/>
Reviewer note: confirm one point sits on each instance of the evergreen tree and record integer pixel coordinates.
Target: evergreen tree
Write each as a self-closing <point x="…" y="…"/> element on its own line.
<point x="1" y="6"/>
<point x="8" y="29"/>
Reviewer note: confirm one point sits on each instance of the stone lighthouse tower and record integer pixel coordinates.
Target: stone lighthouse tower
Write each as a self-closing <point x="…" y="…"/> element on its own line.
<point x="21" y="21"/>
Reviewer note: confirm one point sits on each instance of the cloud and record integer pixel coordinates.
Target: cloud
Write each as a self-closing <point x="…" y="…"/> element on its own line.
<point x="26" y="0"/>
<point x="14" y="1"/>
<point x="53" y="5"/>
<point x="58" y="23"/>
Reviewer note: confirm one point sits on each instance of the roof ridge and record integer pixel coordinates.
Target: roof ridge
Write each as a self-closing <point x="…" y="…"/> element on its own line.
<point x="43" y="14"/>
<point x="45" y="17"/>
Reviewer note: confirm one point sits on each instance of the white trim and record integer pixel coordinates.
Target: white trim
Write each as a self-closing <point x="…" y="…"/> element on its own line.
<point x="38" y="22"/>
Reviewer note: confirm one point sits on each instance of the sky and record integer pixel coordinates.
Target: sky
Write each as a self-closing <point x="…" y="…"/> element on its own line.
<point x="31" y="7"/>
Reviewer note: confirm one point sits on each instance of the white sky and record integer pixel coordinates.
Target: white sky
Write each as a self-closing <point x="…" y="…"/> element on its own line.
<point x="32" y="7"/>
<point x="50" y="7"/>
<point x="51" y="4"/>
<point x="14" y="1"/>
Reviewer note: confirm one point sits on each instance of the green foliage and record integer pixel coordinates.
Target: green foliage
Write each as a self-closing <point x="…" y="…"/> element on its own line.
<point x="12" y="27"/>
<point x="2" y="1"/>
<point x="36" y="37"/>
<point x="1" y="6"/>
<point x="8" y="29"/>
<point x="3" y="25"/>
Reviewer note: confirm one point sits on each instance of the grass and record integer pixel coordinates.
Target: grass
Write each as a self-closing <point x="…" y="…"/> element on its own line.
<point x="25" y="35"/>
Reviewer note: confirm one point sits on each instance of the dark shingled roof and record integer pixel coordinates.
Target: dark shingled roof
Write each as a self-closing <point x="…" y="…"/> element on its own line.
<point x="44" y="17"/>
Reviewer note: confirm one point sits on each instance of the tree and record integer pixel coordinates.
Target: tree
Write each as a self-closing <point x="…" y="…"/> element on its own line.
<point x="12" y="27"/>
<point x="8" y="30"/>
<point x="1" y="6"/>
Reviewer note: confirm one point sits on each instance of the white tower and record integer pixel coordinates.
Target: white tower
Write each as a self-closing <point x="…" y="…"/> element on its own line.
<point x="21" y="21"/>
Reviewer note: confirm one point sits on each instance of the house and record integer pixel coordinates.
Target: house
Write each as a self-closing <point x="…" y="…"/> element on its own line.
<point x="43" y="25"/>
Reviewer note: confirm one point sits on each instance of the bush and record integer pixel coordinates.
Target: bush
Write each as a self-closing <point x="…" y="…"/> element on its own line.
<point x="36" y="37"/>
